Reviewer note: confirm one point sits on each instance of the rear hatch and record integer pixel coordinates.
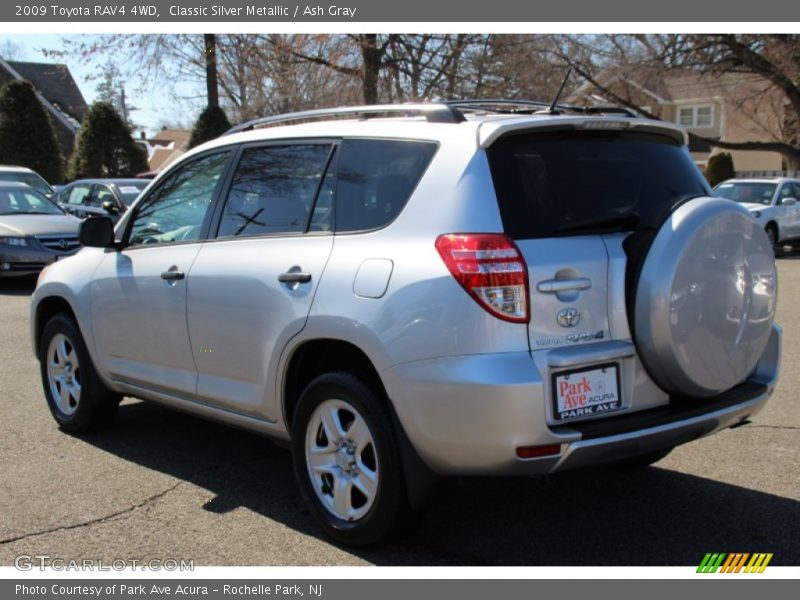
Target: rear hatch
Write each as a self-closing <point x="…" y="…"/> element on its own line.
<point x="568" y="198"/>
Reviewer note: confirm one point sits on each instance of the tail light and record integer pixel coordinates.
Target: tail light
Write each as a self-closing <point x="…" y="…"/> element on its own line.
<point x="491" y="269"/>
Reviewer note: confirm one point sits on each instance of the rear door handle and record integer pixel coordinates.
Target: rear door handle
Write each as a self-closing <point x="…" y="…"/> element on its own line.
<point x="294" y="277"/>
<point x="555" y="286"/>
<point x="172" y="274"/>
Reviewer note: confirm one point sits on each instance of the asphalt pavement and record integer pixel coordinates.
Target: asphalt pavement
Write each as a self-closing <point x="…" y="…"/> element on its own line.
<point x="163" y="485"/>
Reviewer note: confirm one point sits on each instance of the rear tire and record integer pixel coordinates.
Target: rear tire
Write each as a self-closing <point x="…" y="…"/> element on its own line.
<point x="347" y="461"/>
<point x="77" y="398"/>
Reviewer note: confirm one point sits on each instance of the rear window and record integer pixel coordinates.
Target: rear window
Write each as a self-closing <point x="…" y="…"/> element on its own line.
<point x="561" y="183"/>
<point x="376" y="179"/>
<point x="31" y="179"/>
<point x="130" y="191"/>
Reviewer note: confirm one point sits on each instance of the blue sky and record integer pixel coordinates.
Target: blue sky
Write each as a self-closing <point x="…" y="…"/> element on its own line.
<point x="157" y="103"/>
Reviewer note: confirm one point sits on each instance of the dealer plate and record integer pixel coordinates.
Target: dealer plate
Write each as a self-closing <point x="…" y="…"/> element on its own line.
<point x="583" y="393"/>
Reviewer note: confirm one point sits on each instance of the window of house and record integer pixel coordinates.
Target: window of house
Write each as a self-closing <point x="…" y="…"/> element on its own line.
<point x="696" y="116"/>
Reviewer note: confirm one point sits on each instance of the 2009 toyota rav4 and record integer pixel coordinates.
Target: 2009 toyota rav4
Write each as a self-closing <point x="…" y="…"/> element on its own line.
<point x="423" y="290"/>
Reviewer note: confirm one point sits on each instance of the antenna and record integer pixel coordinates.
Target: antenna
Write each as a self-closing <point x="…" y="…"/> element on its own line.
<point x="552" y="109"/>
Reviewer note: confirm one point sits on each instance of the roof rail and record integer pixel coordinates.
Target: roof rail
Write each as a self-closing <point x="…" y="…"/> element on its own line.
<point x="505" y="105"/>
<point x="498" y="103"/>
<point x="433" y="113"/>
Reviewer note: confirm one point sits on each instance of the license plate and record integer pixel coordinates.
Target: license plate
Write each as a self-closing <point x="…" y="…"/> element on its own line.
<point x="586" y="393"/>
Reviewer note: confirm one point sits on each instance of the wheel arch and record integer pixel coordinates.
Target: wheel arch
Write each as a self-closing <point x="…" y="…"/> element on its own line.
<point x="774" y="224"/>
<point x="46" y="309"/>
<point x="317" y="356"/>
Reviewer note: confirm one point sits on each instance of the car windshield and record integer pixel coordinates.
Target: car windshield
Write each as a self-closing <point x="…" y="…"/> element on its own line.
<point x="129" y="192"/>
<point x="26" y="202"/>
<point x="747" y="192"/>
<point x="31" y="179"/>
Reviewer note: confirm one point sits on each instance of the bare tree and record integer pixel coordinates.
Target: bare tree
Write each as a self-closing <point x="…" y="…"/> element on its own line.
<point x="11" y="50"/>
<point x="772" y="62"/>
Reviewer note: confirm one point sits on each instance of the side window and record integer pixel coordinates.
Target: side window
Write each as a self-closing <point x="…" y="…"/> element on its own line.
<point x="175" y="211"/>
<point x="273" y="189"/>
<point x="79" y="195"/>
<point x="101" y="194"/>
<point x="376" y="179"/>
<point x="322" y="219"/>
<point x="796" y="194"/>
<point x="784" y="192"/>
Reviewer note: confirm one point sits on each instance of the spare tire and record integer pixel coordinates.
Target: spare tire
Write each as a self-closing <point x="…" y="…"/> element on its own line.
<point x="704" y="298"/>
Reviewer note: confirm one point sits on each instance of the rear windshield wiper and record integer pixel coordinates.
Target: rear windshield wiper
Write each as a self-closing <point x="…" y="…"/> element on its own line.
<point x="622" y="222"/>
<point x="685" y="198"/>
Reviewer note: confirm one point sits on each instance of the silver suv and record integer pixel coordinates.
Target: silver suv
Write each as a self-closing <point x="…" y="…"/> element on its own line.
<point x="423" y="290"/>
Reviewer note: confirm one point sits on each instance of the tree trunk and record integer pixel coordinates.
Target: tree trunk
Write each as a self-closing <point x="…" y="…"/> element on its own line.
<point x="371" y="54"/>
<point x="211" y="68"/>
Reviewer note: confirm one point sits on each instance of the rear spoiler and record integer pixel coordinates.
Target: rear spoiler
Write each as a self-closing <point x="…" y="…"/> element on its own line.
<point x="490" y="131"/>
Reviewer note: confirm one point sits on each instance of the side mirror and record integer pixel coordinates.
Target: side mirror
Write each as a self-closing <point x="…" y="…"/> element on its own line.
<point x="110" y="207"/>
<point x="789" y="201"/>
<point x="96" y="232"/>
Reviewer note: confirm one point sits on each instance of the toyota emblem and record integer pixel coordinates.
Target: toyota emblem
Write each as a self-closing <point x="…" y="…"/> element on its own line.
<point x="568" y="317"/>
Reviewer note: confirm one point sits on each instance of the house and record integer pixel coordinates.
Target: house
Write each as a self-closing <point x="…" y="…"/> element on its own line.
<point x="58" y="93"/>
<point x="165" y="147"/>
<point x="732" y="107"/>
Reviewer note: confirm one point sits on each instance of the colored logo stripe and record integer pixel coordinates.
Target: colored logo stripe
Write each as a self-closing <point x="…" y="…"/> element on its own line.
<point x="758" y="563"/>
<point x="734" y="562"/>
<point x="710" y="563"/>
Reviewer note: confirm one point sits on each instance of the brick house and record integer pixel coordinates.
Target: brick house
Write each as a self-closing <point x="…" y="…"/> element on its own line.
<point x="732" y="107"/>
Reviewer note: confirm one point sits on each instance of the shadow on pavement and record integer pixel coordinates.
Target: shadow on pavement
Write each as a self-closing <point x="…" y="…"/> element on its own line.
<point x="17" y="286"/>
<point x="650" y="517"/>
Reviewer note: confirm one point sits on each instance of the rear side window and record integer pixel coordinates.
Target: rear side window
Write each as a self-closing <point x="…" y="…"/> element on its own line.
<point x="79" y="194"/>
<point x="376" y="179"/>
<point x="560" y="183"/>
<point x="273" y="189"/>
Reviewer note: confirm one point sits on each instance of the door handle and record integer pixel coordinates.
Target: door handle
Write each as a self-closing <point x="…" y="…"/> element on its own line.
<point x="555" y="286"/>
<point x="294" y="277"/>
<point x="172" y="274"/>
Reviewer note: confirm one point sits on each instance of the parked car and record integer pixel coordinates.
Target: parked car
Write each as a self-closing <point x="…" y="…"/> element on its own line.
<point x="463" y="288"/>
<point x="26" y="176"/>
<point x="773" y="202"/>
<point x="34" y="232"/>
<point x="108" y="197"/>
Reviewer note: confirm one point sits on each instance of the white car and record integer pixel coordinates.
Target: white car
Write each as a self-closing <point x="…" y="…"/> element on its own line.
<point x="773" y="202"/>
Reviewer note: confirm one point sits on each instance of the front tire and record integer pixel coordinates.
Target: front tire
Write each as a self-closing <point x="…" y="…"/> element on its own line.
<point x="77" y="398"/>
<point x="772" y="236"/>
<point x="346" y="460"/>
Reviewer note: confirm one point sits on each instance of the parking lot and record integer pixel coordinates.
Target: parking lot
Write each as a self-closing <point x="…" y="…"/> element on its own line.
<point x="163" y="485"/>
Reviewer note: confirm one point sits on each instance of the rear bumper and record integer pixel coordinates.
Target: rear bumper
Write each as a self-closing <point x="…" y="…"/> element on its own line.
<point x="468" y="415"/>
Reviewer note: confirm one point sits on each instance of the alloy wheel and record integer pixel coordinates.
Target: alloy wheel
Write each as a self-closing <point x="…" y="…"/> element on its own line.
<point x="342" y="460"/>
<point x="63" y="374"/>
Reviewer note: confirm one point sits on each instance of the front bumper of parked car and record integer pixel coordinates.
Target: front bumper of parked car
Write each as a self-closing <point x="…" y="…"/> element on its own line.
<point x="471" y="415"/>
<point x="17" y="261"/>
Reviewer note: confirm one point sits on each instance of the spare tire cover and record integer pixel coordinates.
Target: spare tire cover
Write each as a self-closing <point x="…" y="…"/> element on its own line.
<point x="705" y="299"/>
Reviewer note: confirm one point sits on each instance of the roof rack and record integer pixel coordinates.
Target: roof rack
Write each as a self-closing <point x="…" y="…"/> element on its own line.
<point x="505" y="105"/>
<point x="450" y="111"/>
<point x="432" y="111"/>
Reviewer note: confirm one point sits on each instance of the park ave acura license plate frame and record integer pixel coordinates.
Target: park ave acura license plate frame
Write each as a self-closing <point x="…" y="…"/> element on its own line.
<point x="586" y="392"/>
